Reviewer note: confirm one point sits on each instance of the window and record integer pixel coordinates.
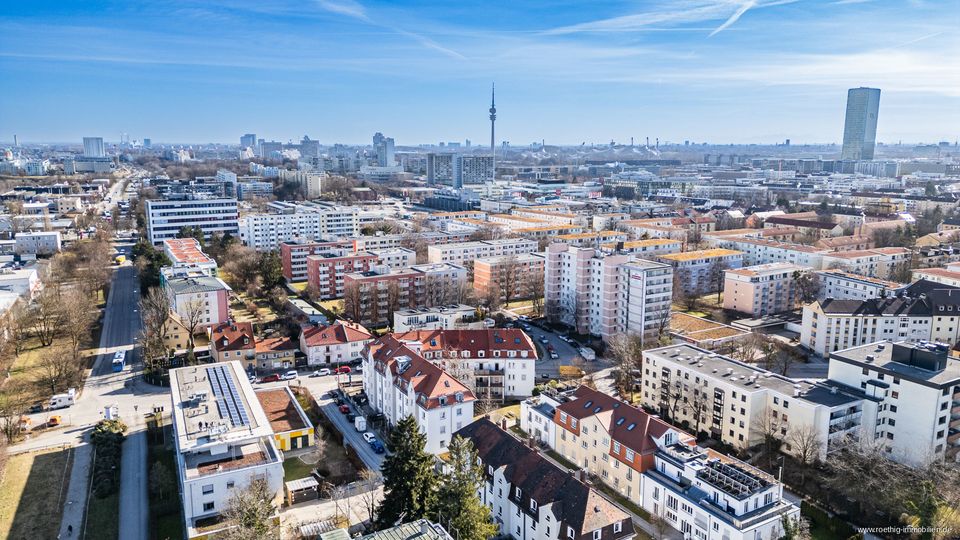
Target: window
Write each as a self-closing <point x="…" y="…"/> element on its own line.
<point x="207" y="506"/>
<point x="518" y="493"/>
<point x="618" y="527"/>
<point x="570" y="533"/>
<point x="207" y="489"/>
<point x="533" y="505"/>
<point x="230" y="484"/>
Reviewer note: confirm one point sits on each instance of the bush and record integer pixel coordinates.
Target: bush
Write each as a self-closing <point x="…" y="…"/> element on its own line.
<point x="107" y="439"/>
<point x="820" y="519"/>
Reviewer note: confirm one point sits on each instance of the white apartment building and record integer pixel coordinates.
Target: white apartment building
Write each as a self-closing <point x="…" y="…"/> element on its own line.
<point x="740" y="404"/>
<point x="22" y="281"/>
<point x="607" y="295"/>
<point x="916" y="389"/>
<point x="201" y="298"/>
<point x="841" y="285"/>
<point x="165" y="218"/>
<point x="763" y="289"/>
<point x="309" y="182"/>
<point x="396" y="258"/>
<point x="399" y="382"/>
<point x="832" y="325"/>
<point x="947" y="276"/>
<point x="265" y="232"/>
<point x="223" y="440"/>
<point x="762" y="251"/>
<point x="711" y="496"/>
<point x="878" y="262"/>
<point x="453" y="317"/>
<point x="532" y="498"/>
<point x="644" y="248"/>
<point x="463" y="253"/>
<point x="37" y="243"/>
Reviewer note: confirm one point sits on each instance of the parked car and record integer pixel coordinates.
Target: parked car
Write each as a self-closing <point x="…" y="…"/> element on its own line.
<point x="345" y="409"/>
<point x="320" y="373"/>
<point x="378" y="447"/>
<point x="554" y="355"/>
<point x="351" y="417"/>
<point x="342" y="369"/>
<point x="54" y="421"/>
<point x="273" y="377"/>
<point x="290" y="375"/>
<point x="544" y="340"/>
<point x="36" y="407"/>
<point x="369" y="437"/>
<point x="523" y="318"/>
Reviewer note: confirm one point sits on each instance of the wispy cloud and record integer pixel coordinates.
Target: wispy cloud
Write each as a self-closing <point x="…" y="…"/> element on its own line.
<point x="673" y="14"/>
<point x="355" y="10"/>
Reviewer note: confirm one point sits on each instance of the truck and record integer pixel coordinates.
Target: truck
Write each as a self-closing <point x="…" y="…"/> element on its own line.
<point x="588" y="354"/>
<point x="360" y="423"/>
<point x="62" y="401"/>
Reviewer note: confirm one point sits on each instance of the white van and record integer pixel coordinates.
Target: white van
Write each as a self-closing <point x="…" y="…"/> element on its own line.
<point x="62" y="401"/>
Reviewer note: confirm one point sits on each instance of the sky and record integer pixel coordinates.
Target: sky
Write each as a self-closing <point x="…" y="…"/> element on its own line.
<point x="567" y="72"/>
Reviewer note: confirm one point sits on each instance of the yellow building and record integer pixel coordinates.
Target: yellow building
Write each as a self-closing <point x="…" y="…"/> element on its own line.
<point x="292" y="428"/>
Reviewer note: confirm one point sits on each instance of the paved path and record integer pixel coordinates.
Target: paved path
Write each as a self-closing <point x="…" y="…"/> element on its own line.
<point x="76" y="496"/>
<point x="134" y="512"/>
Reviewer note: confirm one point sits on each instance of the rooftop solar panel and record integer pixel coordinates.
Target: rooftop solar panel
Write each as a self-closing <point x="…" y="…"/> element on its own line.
<point x="229" y="404"/>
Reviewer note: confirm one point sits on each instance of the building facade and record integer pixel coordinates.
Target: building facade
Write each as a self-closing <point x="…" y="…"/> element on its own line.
<point x="165" y="218"/>
<point x="763" y="289"/>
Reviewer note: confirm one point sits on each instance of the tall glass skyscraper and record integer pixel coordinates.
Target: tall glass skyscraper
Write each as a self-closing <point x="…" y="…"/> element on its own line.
<point x="860" y="127"/>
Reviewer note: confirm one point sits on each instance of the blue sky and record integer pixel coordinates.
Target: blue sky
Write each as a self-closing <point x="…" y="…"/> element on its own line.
<point x="420" y="71"/>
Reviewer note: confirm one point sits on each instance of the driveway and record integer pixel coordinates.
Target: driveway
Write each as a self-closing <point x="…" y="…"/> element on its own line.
<point x="567" y="353"/>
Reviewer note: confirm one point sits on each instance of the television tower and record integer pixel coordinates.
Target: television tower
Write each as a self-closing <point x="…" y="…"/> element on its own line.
<point x="493" y="119"/>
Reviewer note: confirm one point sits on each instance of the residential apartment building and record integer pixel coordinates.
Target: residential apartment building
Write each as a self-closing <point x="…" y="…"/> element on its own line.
<point x="233" y="341"/>
<point x="399" y="382"/>
<point x="37" y="243"/>
<point x="741" y="404"/>
<point x="463" y="253"/>
<point x="594" y="239"/>
<point x="762" y="251"/>
<point x="166" y="218"/>
<point x="386" y="241"/>
<point x="701" y="272"/>
<point x="946" y="276"/>
<point x="374" y="295"/>
<point x="916" y="388"/>
<point x="292" y="429"/>
<point x="607" y="295"/>
<point x="204" y="299"/>
<point x="530" y="497"/>
<point x="841" y="285"/>
<point x="831" y="325"/>
<point x="452" y="317"/>
<point x="291" y="221"/>
<point x="333" y="344"/>
<point x="645" y="249"/>
<point x="186" y="254"/>
<point x="520" y="276"/>
<point x="495" y="364"/>
<point x="223" y="442"/>
<point x="763" y="289"/>
<point x="293" y="255"/>
<point x="878" y="263"/>
<point x="396" y="257"/>
<point x="326" y="269"/>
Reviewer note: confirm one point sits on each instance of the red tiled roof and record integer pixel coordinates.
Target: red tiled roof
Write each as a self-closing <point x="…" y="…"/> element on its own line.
<point x="238" y="336"/>
<point x="334" y="334"/>
<point x="429" y="381"/>
<point x="495" y="339"/>
<point x="275" y="344"/>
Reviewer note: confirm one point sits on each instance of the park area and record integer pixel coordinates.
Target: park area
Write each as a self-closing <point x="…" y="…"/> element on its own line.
<point x="32" y="492"/>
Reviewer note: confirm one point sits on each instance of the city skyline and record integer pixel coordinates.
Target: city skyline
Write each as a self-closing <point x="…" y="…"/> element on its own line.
<point x="715" y="71"/>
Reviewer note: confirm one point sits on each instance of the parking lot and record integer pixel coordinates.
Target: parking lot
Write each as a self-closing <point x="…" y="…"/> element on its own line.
<point x="320" y="388"/>
<point x="567" y="353"/>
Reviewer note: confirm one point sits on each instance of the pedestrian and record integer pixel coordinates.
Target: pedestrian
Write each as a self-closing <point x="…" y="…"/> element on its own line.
<point x="69" y="530"/>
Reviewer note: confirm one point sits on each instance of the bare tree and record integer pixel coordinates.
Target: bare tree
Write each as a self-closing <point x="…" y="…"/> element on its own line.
<point x="56" y="369"/>
<point x="353" y="301"/>
<point x="626" y="352"/>
<point x="13" y="403"/>
<point x="46" y="316"/>
<point x="753" y="349"/>
<point x="371" y="495"/>
<point x="808" y="286"/>
<point x="805" y="444"/>
<point x="507" y="280"/>
<point x="717" y="272"/>
<point x="19" y="325"/>
<point x="767" y="425"/>
<point x="155" y="313"/>
<point x="191" y="313"/>
<point x="533" y="288"/>
<point x="79" y="314"/>
<point x="251" y="511"/>
<point x="701" y="405"/>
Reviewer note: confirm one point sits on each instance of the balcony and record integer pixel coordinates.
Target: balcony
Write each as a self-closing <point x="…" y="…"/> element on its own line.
<point x="953" y="436"/>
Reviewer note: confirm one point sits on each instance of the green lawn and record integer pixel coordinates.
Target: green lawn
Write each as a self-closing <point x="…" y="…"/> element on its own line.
<point x="294" y="468"/>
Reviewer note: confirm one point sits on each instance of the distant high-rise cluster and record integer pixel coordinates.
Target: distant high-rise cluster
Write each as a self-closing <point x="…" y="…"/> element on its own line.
<point x="383" y="146"/>
<point x="860" y="126"/>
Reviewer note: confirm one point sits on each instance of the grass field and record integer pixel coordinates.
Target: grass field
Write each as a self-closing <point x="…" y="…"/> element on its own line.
<point x="32" y="492"/>
<point x="294" y="468"/>
<point x="103" y="518"/>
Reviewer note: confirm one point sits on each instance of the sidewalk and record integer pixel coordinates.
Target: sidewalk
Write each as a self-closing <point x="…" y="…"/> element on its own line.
<point x="76" y="498"/>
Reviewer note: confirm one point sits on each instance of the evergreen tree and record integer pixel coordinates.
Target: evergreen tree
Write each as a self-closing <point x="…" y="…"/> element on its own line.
<point x="459" y="509"/>
<point x="409" y="482"/>
<point x="271" y="270"/>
